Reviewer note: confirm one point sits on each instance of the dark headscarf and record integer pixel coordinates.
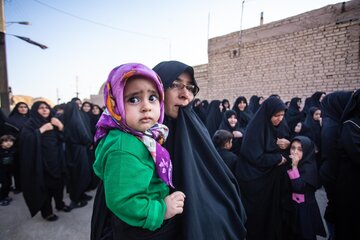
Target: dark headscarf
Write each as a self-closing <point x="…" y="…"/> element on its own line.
<point x="16" y="118"/>
<point x="199" y="110"/>
<point x="312" y="101"/>
<point x="225" y="125"/>
<point x="293" y="114"/>
<point x="245" y="116"/>
<point x="332" y="108"/>
<point x="307" y="165"/>
<point x="214" y="117"/>
<point x="170" y="70"/>
<point x="254" y="104"/>
<point x="213" y="209"/>
<point x="314" y="126"/>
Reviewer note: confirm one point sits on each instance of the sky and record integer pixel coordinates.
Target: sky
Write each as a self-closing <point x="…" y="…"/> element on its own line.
<point x="86" y="39"/>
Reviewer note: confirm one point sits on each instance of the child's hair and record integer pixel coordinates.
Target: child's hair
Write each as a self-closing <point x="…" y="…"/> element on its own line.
<point x="221" y="137"/>
<point x="5" y="138"/>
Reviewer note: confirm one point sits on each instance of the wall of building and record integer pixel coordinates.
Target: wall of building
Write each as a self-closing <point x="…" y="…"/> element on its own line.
<point x="314" y="51"/>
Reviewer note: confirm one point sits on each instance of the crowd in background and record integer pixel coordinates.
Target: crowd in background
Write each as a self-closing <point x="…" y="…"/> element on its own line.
<point x="45" y="150"/>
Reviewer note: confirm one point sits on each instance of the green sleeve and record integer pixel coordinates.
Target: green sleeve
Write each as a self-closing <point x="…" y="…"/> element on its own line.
<point x="127" y="182"/>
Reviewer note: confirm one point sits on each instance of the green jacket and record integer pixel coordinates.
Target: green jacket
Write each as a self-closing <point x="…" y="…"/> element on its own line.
<point x="133" y="190"/>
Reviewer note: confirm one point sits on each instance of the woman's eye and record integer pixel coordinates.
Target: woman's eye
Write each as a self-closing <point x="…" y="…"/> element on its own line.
<point x="153" y="98"/>
<point x="133" y="100"/>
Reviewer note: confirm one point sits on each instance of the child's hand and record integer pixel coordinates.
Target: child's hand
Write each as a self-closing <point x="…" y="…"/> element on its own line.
<point x="294" y="160"/>
<point x="174" y="204"/>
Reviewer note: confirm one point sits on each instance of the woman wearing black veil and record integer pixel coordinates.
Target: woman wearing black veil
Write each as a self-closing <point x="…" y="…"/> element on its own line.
<point x="213" y="209"/>
<point x="78" y="139"/>
<point x="230" y="123"/>
<point x="261" y="172"/>
<point x="244" y="115"/>
<point x="18" y="117"/>
<point x="332" y="108"/>
<point x="347" y="182"/>
<point x="42" y="162"/>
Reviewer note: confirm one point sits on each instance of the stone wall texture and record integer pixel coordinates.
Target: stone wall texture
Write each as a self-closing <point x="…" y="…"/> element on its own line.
<point x="315" y="51"/>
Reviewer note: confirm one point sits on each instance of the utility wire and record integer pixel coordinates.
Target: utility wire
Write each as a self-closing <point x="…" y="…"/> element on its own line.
<point x="98" y="23"/>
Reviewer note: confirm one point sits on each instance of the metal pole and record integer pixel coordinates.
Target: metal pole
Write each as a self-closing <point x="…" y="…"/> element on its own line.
<point x="4" y="88"/>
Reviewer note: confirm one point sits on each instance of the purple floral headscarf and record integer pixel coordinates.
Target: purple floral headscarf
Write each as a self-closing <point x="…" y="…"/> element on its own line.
<point x="114" y="116"/>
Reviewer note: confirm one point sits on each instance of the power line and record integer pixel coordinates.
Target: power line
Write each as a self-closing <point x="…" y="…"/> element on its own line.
<point x="98" y="23"/>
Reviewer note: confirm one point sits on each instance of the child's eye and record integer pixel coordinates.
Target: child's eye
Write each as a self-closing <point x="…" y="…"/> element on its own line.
<point x="153" y="98"/>
<point x="134" y="100"/>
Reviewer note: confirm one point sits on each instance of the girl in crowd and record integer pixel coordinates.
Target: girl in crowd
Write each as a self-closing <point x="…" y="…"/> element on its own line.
<point x="135" y="170"/>
<point x="304" y="180"/>
<point x="42" y="162"/>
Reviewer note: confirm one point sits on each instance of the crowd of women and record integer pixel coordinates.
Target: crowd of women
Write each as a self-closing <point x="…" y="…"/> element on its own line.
<point x="51" y="150"/>
<point x="281" y="154"/>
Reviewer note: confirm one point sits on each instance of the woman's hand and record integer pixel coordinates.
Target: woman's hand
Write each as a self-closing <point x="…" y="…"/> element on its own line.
<point x="283" y="143"/>
<point x="46" y="127"/>
<point x="57" y="123"/>
<point x="283" y="161"/>
<point x="237" y="134"/>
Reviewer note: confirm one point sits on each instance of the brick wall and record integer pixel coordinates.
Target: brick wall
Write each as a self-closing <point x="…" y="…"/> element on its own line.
<point x="314" y="51"/>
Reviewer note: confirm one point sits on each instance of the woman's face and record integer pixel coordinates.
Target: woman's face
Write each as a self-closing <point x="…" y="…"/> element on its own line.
<point x="242" y="106"/>
<point x="86" y="107"/>
<point x="317" y="115"/>
<point x="23" y="109"/>
<point x="95" y="110"/>
<point x="178" y="95"/>
<point x="232" y="120"/>
<point x="277" y="118"/>
<point x="44" y="110"/>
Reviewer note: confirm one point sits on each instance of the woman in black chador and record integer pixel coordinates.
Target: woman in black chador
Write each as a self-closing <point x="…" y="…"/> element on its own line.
<point x="42" y="162"/>
<point x="18" y="117"/>
<point x="332" y="108"/>
<point x="78" y="139"/>
<point x="261" y="172"/>
<point x="213" y="209"/>
<point x="243" y="112"/>
<point x="347" y="183"/>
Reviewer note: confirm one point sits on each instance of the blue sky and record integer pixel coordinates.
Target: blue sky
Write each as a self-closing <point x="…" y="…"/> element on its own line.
<point x="88" y="38"/>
